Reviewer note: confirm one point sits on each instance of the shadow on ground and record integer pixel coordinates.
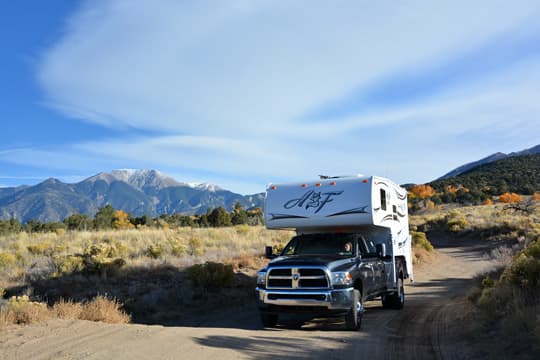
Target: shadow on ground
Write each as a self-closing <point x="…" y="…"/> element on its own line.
<point x="159" y="295"/>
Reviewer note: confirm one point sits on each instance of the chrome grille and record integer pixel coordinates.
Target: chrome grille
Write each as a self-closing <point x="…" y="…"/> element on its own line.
<point x="297" y="278"/>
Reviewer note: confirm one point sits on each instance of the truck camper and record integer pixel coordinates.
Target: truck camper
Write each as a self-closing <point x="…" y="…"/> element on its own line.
<point x="352" y="244"/>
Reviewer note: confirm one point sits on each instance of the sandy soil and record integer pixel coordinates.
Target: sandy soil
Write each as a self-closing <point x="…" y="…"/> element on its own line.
<point x="429" y="327"/>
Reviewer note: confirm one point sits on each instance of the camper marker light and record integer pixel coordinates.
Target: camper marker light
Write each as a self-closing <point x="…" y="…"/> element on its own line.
<point x="332" y="183"/>
<point x="273" y="187"/>
<point x="365" y="181"/>
<point x="304" y="185"/>
<point x="318" y="184"/>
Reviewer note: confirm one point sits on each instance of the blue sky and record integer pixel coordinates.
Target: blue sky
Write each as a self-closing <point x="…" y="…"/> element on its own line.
<point x="243" y="93"/>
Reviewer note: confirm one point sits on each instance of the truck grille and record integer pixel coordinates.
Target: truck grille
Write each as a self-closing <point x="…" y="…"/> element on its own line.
<point x="297" y="278"/>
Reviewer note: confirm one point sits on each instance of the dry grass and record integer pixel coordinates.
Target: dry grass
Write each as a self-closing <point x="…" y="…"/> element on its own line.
<point x="67" y="310"/>
<point x="104" y="310"/>
<point x="490" y="222"/>
<point x="142" y="268"/>
<point x="183" y="246"/>
<point x="19" y="310"/>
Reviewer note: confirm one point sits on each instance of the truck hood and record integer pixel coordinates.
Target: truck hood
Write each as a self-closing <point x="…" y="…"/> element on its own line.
<point x="332" y="262"/>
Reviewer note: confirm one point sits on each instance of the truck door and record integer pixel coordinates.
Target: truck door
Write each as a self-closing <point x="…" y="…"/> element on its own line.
<point x="371" y="267"/>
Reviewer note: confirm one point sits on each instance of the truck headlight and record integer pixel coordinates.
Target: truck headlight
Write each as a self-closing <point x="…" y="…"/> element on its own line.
<point x="341" y="278"/>
<point x="261" y="278"/>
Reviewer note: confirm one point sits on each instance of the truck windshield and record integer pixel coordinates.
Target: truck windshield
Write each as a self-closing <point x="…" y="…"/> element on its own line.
<point x="321" y="244"/>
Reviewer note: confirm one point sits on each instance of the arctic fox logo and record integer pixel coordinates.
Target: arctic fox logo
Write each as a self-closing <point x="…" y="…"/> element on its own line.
<point x="313" y="199"/>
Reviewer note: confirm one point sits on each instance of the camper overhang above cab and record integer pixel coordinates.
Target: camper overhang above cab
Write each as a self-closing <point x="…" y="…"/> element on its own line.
<point x="336" y="204"/>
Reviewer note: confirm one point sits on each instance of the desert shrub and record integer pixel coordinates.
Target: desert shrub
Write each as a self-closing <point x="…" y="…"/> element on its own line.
<point x="104" y="310"/>
<point x="7" y="259"/>
<point x="419" y="239"/>
<point x="246" y="261"/>
<point x="524" y="270"/>
<point x="103" y="258"/>
<point x="43" y="248"/>
<point x="488" y="282"/>
<point x="155" y="251"/>
<point x="68" y="264"/>
<point x="67" y="310"/>
<point x="211" y="275"/>
<point x="242" y="229"/>
<point x="178" y="249"/>
<point x="510" y="304"/>
<point x="195" y="246"/>
<point x="455" y="221"/>
<point x="20" y="310"/>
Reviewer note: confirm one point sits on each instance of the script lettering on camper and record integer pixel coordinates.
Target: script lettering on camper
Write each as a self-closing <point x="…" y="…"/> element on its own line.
<point x="312" y="199"/>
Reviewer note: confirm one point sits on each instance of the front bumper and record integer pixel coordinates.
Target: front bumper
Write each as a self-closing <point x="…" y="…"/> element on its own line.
<point x="341" y="299"/>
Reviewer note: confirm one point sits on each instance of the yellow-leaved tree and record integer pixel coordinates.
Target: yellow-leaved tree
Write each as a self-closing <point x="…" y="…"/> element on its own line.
<point x="422" y="191"/>
<point x="121" y="220"/>
<point x="509" y="198"/>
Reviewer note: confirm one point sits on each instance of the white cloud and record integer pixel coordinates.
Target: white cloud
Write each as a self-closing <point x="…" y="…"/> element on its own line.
<point x="215" y="68"/>
<point x="230" y="81"/>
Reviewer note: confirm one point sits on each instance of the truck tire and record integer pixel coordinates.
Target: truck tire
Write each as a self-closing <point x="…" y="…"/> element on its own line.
<point x="353" y="319"/>
<point x="269" y="320"/>
<point x="395" y="300"/>
<point x="399" y="297"/>
<point x="387" y="301"/>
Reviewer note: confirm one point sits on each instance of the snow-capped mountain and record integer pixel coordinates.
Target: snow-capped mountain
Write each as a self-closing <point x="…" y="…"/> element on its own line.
<point x="138" y="192"/>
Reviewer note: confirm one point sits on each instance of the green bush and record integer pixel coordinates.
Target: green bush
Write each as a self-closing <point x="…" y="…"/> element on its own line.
<point x="211" y="275"/>
<point x="68" y="264"/>
<point x="178" y="249"/>
<point x="103" y="258"/>
<point x="154" y="251"/>
<point x="195" y="246"/>
<point x="242" y="229"/>
<point x="419" y="239"/>
<point x="7" y="259"/>
<point x="43" y="248"/>
<point x="488" y="282"/>
<point x="455" y="221"/>
<point x="524" y="271"/>
<point x="510" y="304"/>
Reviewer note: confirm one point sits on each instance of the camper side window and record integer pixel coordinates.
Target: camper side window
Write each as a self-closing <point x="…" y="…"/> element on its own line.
<point x="383" y="199"/>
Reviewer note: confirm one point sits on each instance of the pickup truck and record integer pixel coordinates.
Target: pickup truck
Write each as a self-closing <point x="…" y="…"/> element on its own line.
<point x="328" y="274"/>
<point x="352" y="244"/>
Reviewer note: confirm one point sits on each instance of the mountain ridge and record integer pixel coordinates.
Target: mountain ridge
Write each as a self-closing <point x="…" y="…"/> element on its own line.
<point x="139" y="192"/>
<point x="486" y="160"/>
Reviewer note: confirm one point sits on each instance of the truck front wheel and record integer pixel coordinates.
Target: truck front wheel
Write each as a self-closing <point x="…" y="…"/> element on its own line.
<point x="269" y="320"/>
<point x="353" y="319"/>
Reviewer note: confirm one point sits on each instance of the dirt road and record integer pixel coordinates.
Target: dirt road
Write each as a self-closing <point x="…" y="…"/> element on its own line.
<point x="429" y="327"/>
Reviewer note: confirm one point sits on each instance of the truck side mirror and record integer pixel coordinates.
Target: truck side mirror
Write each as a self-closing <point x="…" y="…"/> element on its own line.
<point x="381" y="250"/>
<point x="268" y="252"/>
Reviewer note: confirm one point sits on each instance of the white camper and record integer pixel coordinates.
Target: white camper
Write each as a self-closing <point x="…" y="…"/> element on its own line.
<point x="373" y="206"/>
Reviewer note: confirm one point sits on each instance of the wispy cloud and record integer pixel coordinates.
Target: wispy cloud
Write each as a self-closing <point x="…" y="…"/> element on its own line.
<point x="265" y="91"/>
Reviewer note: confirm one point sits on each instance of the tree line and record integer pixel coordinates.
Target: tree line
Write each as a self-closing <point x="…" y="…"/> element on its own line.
<point x="501" y="180"/>
<point x="108" y="217"/>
